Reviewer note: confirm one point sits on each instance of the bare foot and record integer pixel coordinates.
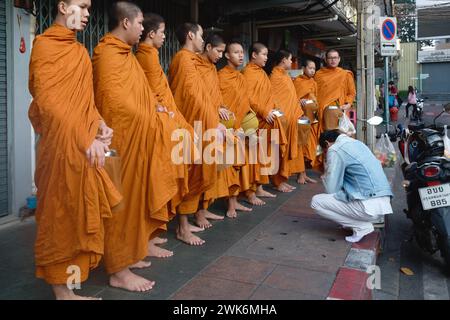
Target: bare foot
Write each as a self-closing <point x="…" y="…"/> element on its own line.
<point x="201" y="221"/>
<point x="301" y="179"/>
<point x="158" y="240"/>
<point x="289" y="186"/>
<point x="260" y="192"/>
<point x="189" y="238"/>
<point x="154" y="251"/>
<point x="127" y="280"/>
<point x="231" y="213"/>
<point x="62" y="292"/>
<point x="283" y="188"/>
<point x="212" y="216"/>
<point x="141" y="265"/>
<point x="311" y="180"/>
<point x="193" y="228"/>
<point x="240" y="207"/>
<point x="254" y="200"/>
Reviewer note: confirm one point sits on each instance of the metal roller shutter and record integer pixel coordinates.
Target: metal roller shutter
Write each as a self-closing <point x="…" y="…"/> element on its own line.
<point x="4" y="205"/>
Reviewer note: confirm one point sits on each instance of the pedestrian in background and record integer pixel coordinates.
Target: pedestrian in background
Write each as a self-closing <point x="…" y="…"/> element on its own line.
<point x="412" y="100"/>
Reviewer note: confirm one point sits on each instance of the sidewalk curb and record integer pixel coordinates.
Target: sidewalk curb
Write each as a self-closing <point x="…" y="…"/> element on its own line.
<point x="351" y="279"/>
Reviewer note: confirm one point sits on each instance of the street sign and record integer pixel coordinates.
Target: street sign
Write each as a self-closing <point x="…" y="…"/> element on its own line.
<point x="388" y="36"/>
<point x="431" y="56"/>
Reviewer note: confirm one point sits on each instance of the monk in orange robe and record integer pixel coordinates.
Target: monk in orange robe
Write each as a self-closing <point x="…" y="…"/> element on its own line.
<point x="335" y="86"/>
<point x="261" y="98"/>
<point x="74" y="193"/>
<point x="143" y="142"/>
<point x="285" y="96"/>
<point x="148" y="57"/>
<point x="194" y="101"/>
<point x="235" y="95"/>
<point x="306" y="89"/>
<point x="228" y="182"/>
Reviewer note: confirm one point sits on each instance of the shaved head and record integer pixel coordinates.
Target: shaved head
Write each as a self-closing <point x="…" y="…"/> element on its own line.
<point x="308" y="62"/>
<point x="331" y="51"/>
<point x="231" y="44"/>
<point x="256" y="47"/>
<point x="121" y="10"/>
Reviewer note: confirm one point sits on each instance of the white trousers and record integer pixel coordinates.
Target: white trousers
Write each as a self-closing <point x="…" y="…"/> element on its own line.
<point x="348" y="214"/>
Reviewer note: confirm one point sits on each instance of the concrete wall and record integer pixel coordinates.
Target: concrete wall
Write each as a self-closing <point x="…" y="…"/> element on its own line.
<point x="20" y="134"/>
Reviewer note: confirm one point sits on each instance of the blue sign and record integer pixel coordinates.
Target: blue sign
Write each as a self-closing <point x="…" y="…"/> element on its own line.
<point x="388" y="29"/>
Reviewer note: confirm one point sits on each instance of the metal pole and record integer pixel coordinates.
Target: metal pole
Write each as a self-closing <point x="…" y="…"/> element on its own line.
<point x="370" y="83"/>
<point x="360" y="74"/>
<point x="194" y="11"/>
<point x="386" y="93"/>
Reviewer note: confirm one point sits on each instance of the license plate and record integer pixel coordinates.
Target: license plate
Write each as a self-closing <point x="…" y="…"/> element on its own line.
<point x="435" y="196"/>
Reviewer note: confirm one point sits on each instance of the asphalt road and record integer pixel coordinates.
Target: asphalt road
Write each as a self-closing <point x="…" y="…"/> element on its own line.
<point x="429" y="281"/>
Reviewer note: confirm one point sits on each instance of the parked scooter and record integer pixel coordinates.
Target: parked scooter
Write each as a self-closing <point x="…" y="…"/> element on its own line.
<point x="418" y="110"/>
<point x="427" y="184"/>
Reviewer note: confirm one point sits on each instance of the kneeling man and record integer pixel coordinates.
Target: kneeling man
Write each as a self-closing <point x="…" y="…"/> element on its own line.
<point x="358" y="192"/>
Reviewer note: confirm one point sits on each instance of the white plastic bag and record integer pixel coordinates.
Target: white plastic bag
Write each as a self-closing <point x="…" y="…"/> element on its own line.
<point x="346" y="126"/>
<point x="385" y="151"/>
<point x="446" y="143"/>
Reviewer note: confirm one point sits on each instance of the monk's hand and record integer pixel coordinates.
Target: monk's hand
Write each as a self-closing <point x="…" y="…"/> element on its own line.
<point x="346" y="106"/>
<point x="223" y="114"/>
<point x="271" y="117"/>
<point x="160" y="108"/>
<point x="239" y="133"/>
<point x="106" y="133"/>
<point x="96" y="152"/>
<point x="221" y="134"/>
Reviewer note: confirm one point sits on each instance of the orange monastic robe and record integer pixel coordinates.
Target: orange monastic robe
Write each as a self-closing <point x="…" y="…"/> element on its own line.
<point x="142" y="139"/>
<point x="227" y="183"/>
<point x="194" y="102"/>
<point x="73" y="197"/>
<point x="261" y="101"/>
<point x="334" y="84"/>
<point x="285" y="97"/>
<point x="307" y="89"/>
<point x="148" y="58"/>
<point x="236" y="97"/>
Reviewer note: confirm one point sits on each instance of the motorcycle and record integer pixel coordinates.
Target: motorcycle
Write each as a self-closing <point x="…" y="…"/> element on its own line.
<point x="427" y="184"/>
<point x="418" y="110"/>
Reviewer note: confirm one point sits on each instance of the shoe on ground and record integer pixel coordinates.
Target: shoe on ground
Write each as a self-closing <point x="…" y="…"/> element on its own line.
<point x="357" y="236"/>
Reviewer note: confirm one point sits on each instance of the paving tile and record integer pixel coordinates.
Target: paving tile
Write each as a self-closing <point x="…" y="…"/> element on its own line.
<point x="24" y="286"/>
<point x="208" y="288"/>
<point x="17" y="257"/>
<point x="307" y="214"/>
<point x="239" y="269"/>
<point x="21" y="233"/>
<point x="265" y="292"/>
<point x="109" y="293"/>
<point x="301" y="280"/>
<point x="313" y="244"/>
<point x="350" y="284"/>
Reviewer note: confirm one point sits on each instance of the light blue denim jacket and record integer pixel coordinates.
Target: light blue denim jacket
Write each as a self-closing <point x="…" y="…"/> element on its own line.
<point x="353" y="172"/>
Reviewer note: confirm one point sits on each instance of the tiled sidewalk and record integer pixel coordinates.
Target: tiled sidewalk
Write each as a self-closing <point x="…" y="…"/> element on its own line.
<point x="279" y="251"/>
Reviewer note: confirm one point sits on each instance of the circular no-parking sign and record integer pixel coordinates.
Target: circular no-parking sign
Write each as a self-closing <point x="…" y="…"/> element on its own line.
<point x="388" y="29"/>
